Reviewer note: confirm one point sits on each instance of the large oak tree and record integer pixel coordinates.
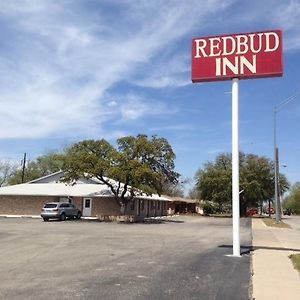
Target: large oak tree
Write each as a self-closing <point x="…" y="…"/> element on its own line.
<point x="256" y="180"/>
<point x="138" y="164"/>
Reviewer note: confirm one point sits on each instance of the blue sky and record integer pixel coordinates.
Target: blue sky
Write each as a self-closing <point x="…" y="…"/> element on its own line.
<point x="73" y="70"/>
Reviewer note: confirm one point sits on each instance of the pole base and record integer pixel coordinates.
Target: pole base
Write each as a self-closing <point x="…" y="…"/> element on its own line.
<point x="233" y="255"/>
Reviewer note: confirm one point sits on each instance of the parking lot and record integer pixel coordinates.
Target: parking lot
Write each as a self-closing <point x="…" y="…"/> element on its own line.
<point x="182" y="258"/>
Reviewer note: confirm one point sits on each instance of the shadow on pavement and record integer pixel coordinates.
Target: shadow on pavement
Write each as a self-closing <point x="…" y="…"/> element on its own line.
<point x="161" y="221"/>
<point x="248" y="249"/>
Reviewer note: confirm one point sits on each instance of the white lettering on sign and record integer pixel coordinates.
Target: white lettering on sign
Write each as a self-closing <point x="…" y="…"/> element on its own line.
<point x="268" y="41"/>
<point x="238" y="45"/>
<point x="238" y="67"/>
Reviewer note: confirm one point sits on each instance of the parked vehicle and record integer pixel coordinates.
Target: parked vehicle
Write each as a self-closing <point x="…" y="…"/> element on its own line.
<point x="60" y="210"/>
<point x="251" y="212"/>
<point x="287" y="212"/>
<point x="270" y="210"/>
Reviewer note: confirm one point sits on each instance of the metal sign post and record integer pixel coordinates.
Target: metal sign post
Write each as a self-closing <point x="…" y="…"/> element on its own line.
<point x="235" y="169"/>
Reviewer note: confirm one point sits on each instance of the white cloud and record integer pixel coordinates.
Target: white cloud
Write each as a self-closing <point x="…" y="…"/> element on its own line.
<point x="133" y="107"/>
<point x="273" y="14"/>
<point x="59" y="60"/>
<point x="173" y="71"/>
<point x="288" y="16"/>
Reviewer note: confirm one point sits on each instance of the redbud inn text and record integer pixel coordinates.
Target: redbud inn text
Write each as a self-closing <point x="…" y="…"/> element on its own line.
<point x="243" y="56"/>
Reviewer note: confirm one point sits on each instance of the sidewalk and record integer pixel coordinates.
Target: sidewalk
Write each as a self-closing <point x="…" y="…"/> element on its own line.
<point x="274" y="276"/>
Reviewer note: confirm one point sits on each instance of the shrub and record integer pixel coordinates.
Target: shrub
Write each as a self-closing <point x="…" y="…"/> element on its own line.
<point x="208" y="209"/>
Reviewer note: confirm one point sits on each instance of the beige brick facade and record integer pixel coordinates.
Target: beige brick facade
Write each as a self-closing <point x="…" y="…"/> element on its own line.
<point x="101" y="206"/>
<point x="23" y="205"/>
<point x="105" y="206"/>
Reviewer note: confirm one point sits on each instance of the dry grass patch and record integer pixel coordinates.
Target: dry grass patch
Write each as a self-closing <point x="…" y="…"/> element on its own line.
<point x="272" y="222"/>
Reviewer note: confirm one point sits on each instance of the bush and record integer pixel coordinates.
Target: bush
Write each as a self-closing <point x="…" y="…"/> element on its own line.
<point x="209" y="209"/>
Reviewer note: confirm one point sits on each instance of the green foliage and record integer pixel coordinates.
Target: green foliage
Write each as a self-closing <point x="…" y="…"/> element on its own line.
<point x="137" y="164"/>
<point x="292" y="201"/>
<point x="256" y="180"/>
<point x="209" y="209"/>
<point x="214" y="181"/>
<point x="42" y="166"/>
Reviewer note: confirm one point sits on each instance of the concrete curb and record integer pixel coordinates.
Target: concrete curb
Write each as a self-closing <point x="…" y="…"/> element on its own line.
<point x="21" y="216"/>
<point x="39" y="217"/>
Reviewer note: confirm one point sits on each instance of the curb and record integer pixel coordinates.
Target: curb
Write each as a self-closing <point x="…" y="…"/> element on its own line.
<point x="39" y="217"/>
<point x="21" y="216"/>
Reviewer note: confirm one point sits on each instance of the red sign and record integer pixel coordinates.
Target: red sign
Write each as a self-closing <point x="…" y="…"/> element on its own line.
<point x="243" y="56"/>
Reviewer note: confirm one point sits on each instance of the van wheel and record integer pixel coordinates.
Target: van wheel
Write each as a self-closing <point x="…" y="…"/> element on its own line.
<point x="45" y="219"/>
<point x="62" y="217"/>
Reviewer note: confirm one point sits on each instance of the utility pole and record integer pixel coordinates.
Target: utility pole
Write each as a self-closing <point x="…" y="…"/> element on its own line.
<point x="277" y="191"/>
<point x="276" y="163"/>
<point x="23" y="167"/>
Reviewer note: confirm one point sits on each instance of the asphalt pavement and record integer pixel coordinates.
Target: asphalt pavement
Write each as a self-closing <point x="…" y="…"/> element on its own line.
<point x="181" y="258"/>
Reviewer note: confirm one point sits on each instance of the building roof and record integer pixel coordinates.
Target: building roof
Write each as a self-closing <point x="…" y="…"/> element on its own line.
<point x="51" y="186"/>
<point x="180" y="199"/>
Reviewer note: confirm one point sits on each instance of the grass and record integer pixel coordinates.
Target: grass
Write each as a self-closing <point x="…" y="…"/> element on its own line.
<point x="272" y="222"/>
<point x="295" y="258"/>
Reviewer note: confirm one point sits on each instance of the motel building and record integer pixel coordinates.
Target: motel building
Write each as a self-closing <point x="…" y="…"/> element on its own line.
<point x="91" y="196"/>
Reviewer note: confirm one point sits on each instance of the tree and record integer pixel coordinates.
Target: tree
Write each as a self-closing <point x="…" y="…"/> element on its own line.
<point x="213" y="182"/>
<point x="175" y="190"/>
<point x="292" y="201"/>
<point x="44" y="165"/>
<point x="138" y="164"/>
<point x="256" y="180"/>
<point x="6" y="171"/>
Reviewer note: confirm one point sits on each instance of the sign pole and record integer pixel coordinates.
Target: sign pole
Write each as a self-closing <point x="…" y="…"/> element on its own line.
<point x="235" y="168"/>
<point x="216" y="58"/>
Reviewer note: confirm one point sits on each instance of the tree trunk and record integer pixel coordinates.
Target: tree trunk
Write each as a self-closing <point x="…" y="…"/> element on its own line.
<point x="122" y="209"/>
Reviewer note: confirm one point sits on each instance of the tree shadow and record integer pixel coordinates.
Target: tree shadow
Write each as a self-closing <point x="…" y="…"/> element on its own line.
<point x="248" y="249"/>
<point x="160" y="221"/>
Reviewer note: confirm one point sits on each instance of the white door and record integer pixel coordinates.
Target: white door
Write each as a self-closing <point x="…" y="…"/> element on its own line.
<point x="87" y="207"/>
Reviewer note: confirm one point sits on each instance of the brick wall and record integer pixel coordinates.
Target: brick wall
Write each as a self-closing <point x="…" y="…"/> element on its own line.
<point x="23" y="205"/>
<point x="105" y="206"/>
<point x="77" y="201"/>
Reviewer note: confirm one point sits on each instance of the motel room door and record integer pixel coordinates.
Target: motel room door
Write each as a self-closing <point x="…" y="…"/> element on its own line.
<point x="87" y="207"/>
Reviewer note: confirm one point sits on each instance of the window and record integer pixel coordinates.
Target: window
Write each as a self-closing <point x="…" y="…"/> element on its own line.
<point x="50" y="205"/>
<point x="142" y="205"/>
<point x="87" y="203"/>
<point x="158" y="205"/>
